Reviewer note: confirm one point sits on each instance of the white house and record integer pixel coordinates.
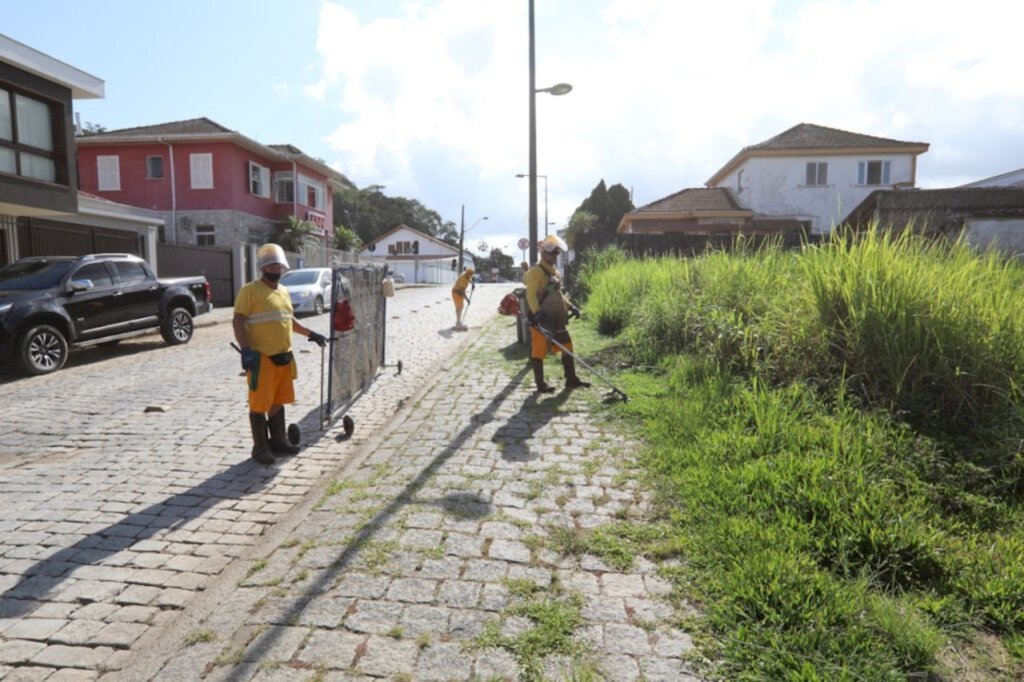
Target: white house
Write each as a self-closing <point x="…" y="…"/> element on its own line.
<point x="817" y="175"/>
<point x="416" y="256"/>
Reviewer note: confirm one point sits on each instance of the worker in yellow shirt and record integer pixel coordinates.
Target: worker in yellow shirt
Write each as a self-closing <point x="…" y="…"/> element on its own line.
<point x="550" y="309"/>
<point x="263" y="323"/>
<point x="462" y="284"/>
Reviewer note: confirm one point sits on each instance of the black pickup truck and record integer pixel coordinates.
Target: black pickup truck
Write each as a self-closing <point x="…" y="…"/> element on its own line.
<point x="51" y="304"/>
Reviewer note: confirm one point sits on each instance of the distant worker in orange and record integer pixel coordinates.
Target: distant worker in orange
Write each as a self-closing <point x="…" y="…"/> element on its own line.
<point x="459" y="296"/>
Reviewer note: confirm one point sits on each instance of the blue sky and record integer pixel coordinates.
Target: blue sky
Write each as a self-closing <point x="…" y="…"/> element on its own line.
<point x="429" y="98"/>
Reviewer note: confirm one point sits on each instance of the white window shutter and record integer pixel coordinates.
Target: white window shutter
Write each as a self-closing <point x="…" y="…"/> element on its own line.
<point x="861" y="172"/>
<point x="201" y="167"/>
<point x="885" y="172"/>
<point x="264" y="182"/>
<point x="108" y="172"/>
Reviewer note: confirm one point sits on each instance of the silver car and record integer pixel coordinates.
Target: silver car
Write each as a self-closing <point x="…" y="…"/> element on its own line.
<point x="310" y="289"/>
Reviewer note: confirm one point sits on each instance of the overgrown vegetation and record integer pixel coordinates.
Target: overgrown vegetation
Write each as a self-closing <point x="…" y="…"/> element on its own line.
<point x="835" y="436"/>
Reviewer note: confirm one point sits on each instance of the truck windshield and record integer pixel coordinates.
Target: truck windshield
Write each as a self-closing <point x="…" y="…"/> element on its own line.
<point x="33" y="274"/>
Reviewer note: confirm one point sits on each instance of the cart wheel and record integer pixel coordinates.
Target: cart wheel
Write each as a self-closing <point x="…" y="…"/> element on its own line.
<point x="348" y="425"/>
<point x="294" y="435"/>
<point x="399" y="366"/>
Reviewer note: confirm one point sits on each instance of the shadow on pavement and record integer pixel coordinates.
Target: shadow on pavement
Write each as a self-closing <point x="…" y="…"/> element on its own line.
<point x="46" y="576"/>
<point x="264" y="643"/>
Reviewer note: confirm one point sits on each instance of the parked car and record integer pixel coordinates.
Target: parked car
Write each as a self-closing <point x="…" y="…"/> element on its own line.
<point x="49" y="305"/>
<point x="310" y="289"/>
<point x="398" y="278"/>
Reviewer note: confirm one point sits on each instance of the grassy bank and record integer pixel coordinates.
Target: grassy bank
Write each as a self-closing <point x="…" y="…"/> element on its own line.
<point x="835" y="437"/>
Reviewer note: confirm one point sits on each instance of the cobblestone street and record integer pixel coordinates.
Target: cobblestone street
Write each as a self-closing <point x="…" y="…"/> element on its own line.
<point x="146" y="545"/>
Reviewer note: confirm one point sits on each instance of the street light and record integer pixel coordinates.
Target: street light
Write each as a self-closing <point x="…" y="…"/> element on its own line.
<point x="546" y="223"/>
<point x="559" y="89"/>
<point x="462" y="233"/>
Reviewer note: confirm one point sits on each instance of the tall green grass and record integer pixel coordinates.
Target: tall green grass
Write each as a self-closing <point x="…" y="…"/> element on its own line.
<point x="835" y="435"/>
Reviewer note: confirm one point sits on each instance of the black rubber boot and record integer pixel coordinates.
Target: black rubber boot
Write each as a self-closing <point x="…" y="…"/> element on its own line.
<point x="571" y="380"/>
<point x="538" y="376"/>
<point x="260" y="445"/>
<point x="279" y="444"/>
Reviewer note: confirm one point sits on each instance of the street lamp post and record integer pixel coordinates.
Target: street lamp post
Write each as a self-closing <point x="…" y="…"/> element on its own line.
<point x="546" y="223"/>
<point x="559" y="89"/>
<point x="462" y="233"/>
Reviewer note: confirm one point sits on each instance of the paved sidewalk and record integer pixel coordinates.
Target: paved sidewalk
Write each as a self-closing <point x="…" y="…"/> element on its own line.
<point x="434" y="553"/>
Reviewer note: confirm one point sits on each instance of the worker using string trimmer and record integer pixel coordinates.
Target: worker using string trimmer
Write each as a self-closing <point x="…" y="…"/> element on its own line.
<point x="548" y="312"/>
<point x="460" y="297"/>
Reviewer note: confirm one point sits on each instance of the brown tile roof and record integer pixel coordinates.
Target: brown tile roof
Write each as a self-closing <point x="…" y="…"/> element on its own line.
<point x="695" y="199"/>
<point x="810" y="136"/>
<point x="203" y="127"/>
<point x="193" y="126"/>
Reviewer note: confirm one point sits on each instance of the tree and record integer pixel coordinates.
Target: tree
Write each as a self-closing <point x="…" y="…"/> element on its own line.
<point x="345" y="239"/>
<point x="581" y="224"/>
<point x="605" y="208"/>
<point x="89" y="128"/>
<point x="295" y="234"/>
<point x="496" y="259"/>
<point x="370" y="213"/>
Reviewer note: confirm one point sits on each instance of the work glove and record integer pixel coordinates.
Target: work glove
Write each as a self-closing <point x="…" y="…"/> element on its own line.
<point x="574" y="312"/>
<point x="250" y="359"/>
<point x="538" y="318"/>
<point x="318" y="339"/>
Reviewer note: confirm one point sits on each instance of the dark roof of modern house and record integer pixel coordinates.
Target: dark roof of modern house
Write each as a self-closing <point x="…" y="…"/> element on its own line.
<point x="204" y="129"/>
<point x="688" y="204"/>
<point x="695" y="200"/>
<point x="939" y="206"/>
<point x="808" y="138"/>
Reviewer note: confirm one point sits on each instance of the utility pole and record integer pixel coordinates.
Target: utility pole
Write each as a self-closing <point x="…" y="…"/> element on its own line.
<point x="462" y="236"/>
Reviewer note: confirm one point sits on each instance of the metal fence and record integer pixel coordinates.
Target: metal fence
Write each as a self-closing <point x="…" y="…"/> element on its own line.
<point x="356" y="353"/>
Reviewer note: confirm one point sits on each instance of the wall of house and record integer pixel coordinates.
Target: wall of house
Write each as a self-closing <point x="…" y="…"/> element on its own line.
<point x="432" y="266"/>
<point x="230" y="206"/>
<point x="230" y="227"/>
<point x="1006" y="234"/>
<point x="776" y="186"/>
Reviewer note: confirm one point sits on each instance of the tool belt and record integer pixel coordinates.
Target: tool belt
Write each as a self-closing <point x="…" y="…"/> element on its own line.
<point x="282" y="359"/>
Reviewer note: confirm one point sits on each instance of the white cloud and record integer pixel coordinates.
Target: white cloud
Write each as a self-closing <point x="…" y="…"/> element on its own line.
<point x="432" y="100"/>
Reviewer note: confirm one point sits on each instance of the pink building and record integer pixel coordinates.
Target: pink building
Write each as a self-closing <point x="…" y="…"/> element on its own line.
<point x="212" y="186"/>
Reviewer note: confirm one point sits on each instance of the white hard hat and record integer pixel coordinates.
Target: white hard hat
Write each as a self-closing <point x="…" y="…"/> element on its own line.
<point x="552" y="242"/>
<point x="269" y="254"/>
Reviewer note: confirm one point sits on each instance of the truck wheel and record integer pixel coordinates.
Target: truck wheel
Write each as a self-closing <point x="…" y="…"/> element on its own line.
<point x="42" y="350"/>
<point x="318" y="306"/>
<point x="177" y="328"/>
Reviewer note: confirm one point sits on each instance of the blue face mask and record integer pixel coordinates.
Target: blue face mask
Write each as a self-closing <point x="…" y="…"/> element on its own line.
<point x="271" y="276"/>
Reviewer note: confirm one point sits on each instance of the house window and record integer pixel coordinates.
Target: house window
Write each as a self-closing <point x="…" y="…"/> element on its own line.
<point x="28" y="135"/>
<point x="108" y="173"/>
<point x="873" y="173"/>
<point x="259" y="180"/>
<point x="201" y="167"/>
<point x="311" y="193"/>
<point x="284" y="188"/>
<point x="154" y="167"/>
<point x="817" y="173"/>
<point x="205" y="235"/>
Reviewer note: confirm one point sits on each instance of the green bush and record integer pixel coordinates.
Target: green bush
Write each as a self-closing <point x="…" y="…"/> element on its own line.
<point x="834" y="437"/>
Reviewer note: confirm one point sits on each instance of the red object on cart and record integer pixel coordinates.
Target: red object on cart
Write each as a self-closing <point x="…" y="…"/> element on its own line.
<point x="509" y="305"/>
<point x="344" y="318"/>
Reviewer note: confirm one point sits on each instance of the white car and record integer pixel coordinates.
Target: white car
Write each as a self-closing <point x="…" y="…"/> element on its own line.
<point x="310" y="289"/>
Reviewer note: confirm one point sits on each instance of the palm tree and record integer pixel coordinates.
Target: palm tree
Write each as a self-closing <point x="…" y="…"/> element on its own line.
<point x="295" y="235"/>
